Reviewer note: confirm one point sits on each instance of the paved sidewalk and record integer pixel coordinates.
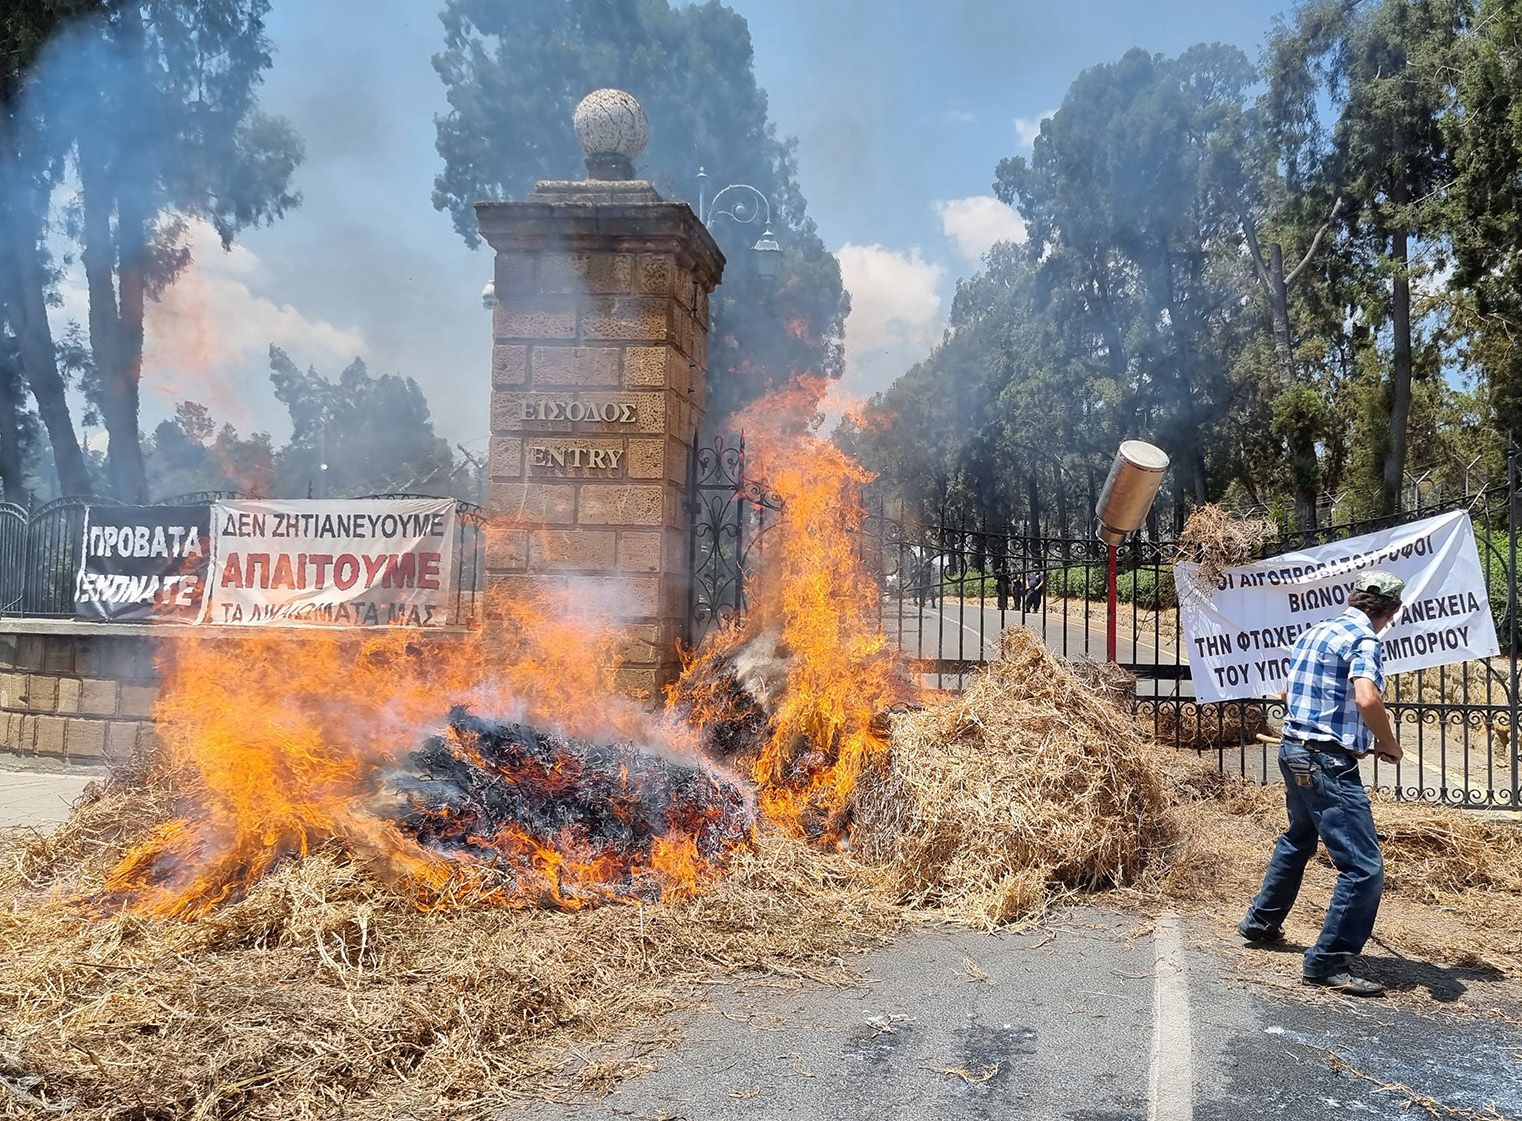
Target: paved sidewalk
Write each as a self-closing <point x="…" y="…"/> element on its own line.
<point x="32" y="799"/>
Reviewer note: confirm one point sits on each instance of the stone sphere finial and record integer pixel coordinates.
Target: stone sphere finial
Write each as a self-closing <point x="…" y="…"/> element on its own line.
<point x="613" y="131"/>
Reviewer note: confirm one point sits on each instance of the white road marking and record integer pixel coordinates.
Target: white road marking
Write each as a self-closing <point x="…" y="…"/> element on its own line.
<point x="986" y="643"/>
<point x="1170" y="1082"/>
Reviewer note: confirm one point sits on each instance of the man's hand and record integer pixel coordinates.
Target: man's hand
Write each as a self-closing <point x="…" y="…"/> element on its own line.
<point x="1371" y="707"/>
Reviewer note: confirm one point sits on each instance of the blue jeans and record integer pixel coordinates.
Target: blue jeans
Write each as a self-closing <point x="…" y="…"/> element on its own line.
<point x="1324" y="795"/>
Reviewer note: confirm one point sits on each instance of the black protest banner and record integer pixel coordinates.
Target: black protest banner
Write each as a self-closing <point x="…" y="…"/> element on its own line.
<point x="144" y="564"/>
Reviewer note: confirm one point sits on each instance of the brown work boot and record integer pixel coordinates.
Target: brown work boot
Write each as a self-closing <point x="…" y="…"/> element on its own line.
<point x="1345" y="983"/>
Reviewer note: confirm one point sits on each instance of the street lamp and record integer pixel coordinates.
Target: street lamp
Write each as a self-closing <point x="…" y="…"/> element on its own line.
<point x="746" y="205"/>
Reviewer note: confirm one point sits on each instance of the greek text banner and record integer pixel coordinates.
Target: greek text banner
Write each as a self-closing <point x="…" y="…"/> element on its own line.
<point x="346" y="563"/>
<point x="144" y="564"/>
<point x="1239" y="637"/>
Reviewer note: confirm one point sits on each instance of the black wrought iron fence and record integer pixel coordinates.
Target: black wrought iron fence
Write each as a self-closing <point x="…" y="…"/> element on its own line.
<point x="949" y="589"/>
<point x="730" y="515"/>
<point x="54" y="540"/>
<point x="40" y="553"/>
<point x="12" y="556"/>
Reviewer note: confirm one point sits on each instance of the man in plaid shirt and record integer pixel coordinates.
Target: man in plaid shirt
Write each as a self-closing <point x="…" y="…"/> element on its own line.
<point x="1335" y="715"/>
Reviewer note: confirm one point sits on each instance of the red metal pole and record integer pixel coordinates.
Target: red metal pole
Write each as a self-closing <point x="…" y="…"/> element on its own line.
<point x="1110" y="622"/>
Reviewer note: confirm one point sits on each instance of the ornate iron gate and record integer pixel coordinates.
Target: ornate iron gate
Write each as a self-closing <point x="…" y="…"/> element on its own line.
<point x="12" y="556"/>
<point x="730" y="515"/>
<point x="950" y="588"/>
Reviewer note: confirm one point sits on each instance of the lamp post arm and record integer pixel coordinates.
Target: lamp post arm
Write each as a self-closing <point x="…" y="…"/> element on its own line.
<point x="748" y="205"/>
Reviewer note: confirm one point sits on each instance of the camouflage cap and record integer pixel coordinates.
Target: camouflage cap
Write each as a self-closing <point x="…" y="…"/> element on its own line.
<point x="1380" y="583"/>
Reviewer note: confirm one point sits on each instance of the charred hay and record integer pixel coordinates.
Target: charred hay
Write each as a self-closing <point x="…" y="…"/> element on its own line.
<point x="503" y="793"/>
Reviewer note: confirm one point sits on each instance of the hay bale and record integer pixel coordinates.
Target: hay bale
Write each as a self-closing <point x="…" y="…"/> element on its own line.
<point x="1029" y="786"/>
<point x="1433" y="853"/>
<point x="1215" y="539"/>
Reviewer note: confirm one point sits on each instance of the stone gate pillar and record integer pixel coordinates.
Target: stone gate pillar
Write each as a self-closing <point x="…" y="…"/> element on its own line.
<point x="599" y="351"/>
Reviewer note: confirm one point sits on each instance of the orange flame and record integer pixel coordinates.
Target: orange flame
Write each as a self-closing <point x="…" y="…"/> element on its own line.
<point x="814" y="585"/>
<point x="280" y="740"/>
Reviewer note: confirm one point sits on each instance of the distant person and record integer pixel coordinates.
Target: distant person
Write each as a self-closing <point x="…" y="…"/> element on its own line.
<point x="1035" y="588"/>
<point x="1002" y="586"/>
<point x="932" y="582"/>
<point x="1334" y="716"/>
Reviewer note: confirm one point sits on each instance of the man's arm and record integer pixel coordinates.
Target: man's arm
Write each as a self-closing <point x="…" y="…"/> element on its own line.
<point x="1371" y="706"/>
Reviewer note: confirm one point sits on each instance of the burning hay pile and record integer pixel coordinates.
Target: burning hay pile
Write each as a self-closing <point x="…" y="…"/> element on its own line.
<point x="324" y="988"/>
<point x="324" y="991"/>
<point x="798" y="692"/>
<point x="1028" y="787"/>
<point x="560" y="822"/>
<point x="324" y="897"/>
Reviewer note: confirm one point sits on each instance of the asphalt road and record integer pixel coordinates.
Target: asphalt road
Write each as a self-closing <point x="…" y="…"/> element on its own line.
<point x="1095" y="1017"/>
<point x="956" y="631"/>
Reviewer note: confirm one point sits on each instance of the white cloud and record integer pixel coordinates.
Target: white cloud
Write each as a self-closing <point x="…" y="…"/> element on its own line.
<point x="975" y="224"/>
<point x="1028" y="128"/>
<point x="895" y="313"/>
<point x="207" y="337"/>
<point x="959" y="117"/>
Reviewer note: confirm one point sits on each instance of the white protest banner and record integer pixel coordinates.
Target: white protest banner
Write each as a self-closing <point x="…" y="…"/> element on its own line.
<point x="1239" y="637"/>
<point x="341" y="562"/>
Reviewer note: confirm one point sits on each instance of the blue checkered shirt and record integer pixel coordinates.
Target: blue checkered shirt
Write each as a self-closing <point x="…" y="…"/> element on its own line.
<point x="1323" y="664"/>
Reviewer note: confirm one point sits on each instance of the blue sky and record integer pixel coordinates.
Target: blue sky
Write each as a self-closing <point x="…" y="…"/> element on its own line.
<point x="901" y="110"/>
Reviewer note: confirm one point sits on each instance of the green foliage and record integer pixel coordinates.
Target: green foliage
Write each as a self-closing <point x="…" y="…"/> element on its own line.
<point x="1301" y="416"/>
<point x="357" y="435"/>
<point x="1384" y="73"/>
<point x="1495" y="561"/>
<point x="1301" y="412"/>
<point x="25" y="25"/>
<point x="1146" y="587"/>
<point x="514" y="70"/>
<point x="188" y="453"/>
<point x="1377" y="143"/>
<point x="1485" y="205"/>
<point x="20" y="431"/>
<point x="140" y="115"/>
<point x="1125" y="211"/>
<point x="1120" y="317"/>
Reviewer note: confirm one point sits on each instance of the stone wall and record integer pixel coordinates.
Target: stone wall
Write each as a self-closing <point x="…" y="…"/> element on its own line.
<point x="75" y="692"/>
<point x="84" y="692"/>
